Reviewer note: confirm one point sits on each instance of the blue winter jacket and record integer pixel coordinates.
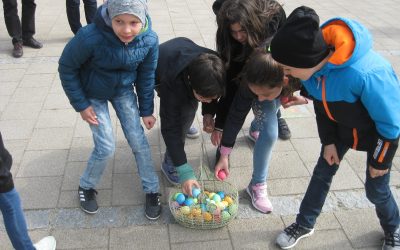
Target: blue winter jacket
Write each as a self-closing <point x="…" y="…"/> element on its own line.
<point x="96" y="64"/>
<point x="356" y="94"/>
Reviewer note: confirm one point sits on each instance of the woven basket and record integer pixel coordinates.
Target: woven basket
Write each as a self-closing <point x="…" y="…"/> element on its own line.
<point x="198" y="218"/>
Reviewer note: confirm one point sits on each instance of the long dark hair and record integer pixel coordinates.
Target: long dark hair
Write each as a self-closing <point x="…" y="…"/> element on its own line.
<point x="259" y="18"/>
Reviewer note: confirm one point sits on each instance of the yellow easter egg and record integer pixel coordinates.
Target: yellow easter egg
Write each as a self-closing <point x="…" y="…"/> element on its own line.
<point x="185" y="210"/>
<point x="228" y="199"/>
<point x="196" y="212"/>
<point x="211" y="195"/>
<point x="226" y="204"/>
<point x="207" y="216"/>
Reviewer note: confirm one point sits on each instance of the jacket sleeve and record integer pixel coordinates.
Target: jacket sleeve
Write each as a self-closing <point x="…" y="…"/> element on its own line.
<point x="74" y="55"/>
<point x="239" y="109"/>
<point x="224" y="104"/>
<point x="171" y="125"/>
<point x="145" y="81"/>
<point x="380" y="95"/>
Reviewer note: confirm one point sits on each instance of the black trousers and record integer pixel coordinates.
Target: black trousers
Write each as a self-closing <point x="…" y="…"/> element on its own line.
<point x="13" y="23"/>
<point x="73" y="13"/>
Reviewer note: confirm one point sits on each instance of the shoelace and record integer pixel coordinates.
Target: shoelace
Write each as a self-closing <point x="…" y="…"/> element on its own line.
<point x="293" y="230"/>
<point x="392" y="239"/>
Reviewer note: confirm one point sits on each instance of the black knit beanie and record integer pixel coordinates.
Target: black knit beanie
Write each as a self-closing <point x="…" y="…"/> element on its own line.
<point x="299" y="42"/>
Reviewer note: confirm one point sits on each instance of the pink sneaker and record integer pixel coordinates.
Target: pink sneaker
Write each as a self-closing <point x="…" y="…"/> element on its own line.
<point x="253" y="135"/>
<point x="259" y="197"/>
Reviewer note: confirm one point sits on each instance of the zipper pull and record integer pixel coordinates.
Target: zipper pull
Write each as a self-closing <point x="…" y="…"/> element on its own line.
<point x="319" y="81"/>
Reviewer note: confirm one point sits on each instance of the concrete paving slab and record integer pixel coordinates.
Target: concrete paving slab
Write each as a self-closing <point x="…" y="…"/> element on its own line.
<point x="82" y="238"/>
<point x="43" y="163"/>
<point x="50" y="138"/>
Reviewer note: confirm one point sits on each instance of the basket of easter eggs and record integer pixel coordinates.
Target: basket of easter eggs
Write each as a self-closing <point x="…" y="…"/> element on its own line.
<point x="212" y="206"/>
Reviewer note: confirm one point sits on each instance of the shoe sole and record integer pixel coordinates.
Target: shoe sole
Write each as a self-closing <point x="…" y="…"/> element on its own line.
<point x="152" y="218"/>
<point x="249" y="193"/>
<point x="89" y="212"/>
<point x="301" y="237"/>
<point x="195" y="136"/>
<point x="170" y="181"/>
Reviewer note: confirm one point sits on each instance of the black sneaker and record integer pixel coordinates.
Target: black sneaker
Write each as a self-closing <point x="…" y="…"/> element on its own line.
<point x="291" y="235"/>
<point x="152" y="208"/>
<point x="283" y="130"/>
<point x="87" y="200"/>
<point x="17" y="50"/>
<point x="32" y="42"/>
<point x="392" y="240"/>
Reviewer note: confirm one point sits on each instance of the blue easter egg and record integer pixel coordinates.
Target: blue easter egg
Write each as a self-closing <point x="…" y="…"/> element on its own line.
<point x="195" y="192"/>
<point x="221" y="194"/>
<point x="180" y="198"/>
<point x="203" y="207"/>
<point x="189" y="201"/>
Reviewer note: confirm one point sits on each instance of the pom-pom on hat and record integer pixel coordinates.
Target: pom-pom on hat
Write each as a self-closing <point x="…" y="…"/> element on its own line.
<point x="137" y="8"/>
<point x="299" y="42"/>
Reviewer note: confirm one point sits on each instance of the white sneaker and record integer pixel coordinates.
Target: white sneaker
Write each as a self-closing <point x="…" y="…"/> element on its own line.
<point x="47" y="243"/>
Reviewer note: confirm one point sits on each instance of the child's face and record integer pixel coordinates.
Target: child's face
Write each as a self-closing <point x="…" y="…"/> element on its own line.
<point x="265" y="93"/>
<point x="302" y="74"/>
<point x="238" y="33"/>
<point x="202" y="98"/>
<point x="126" y="27"/>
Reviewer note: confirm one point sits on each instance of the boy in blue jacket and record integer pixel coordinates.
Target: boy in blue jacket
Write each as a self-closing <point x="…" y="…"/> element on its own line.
<point x="355" y="93"/>
<point x="103" y="63"/>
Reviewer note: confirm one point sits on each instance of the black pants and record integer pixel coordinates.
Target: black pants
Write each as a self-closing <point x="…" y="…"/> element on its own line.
<point x="13" y="22"/>
<point x="73" y="13"/>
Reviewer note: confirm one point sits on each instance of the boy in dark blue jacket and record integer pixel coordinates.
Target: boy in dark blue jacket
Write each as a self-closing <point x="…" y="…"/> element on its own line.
<point x="186" y="74"/>
<point x="355" y="93"/>
<point x="103" y="63"/>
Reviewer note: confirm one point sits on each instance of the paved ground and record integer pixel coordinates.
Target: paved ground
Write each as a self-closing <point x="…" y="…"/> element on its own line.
<point x="50" y="145"/>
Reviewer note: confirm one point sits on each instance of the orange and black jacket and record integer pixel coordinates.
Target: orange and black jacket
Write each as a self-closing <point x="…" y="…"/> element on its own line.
<point x="356" y="94"/>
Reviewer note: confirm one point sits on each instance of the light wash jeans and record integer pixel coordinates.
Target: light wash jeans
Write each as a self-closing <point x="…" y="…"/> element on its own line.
<point x="265" y="121"/>
<point x="14" y="220"/>
<point x="104" y="142"/>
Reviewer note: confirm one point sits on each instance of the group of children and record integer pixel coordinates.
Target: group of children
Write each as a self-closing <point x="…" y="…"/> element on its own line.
<point x="117" y="60"/>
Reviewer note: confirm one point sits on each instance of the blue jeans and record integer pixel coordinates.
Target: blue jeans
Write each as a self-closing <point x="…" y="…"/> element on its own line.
<point x="73" y="13"/>
<point x="377" y="191"/>
<point x="265" y="121"/>
<point x="104" y="142"/>
<point x="14" y="220"/>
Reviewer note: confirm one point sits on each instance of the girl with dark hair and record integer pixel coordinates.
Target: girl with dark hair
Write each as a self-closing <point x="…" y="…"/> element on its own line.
<point x="243" y="26"/>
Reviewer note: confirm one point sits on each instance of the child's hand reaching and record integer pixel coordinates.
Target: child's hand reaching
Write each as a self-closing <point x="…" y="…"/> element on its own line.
<point x="188" y="185"/>
<point x="208" y="123"/>
<point x="293" y="100"/>
<point x="89" y="116"/>
<point x="223" y="164"/>
<point x="149" y="121"/>
<point x="216" y="137"/>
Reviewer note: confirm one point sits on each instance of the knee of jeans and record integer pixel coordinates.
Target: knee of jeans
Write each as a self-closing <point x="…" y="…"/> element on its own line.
<point x="105" y="151"/>
<point x="377" y="195"/>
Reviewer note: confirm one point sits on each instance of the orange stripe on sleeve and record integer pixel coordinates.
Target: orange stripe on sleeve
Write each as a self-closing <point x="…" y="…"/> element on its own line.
<point x="383" y="153"/>
<point x="324" y="101"/>
<point x="355" y="138"/>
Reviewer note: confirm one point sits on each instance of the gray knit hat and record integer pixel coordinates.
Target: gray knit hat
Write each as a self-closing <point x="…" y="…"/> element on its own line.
<point x="137" y="8"/>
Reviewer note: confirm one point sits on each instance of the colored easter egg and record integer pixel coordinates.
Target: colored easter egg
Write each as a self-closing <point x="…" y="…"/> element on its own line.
<point x="185" y="210"/>
<point x="196" y="212"/>
<point x="221" y="205"/>
<point x="175" y="204"/>
<point x="225" y="215"/>
<point x="211" y="207"/>
<point x="228" y="199"/>
<point x="211" y="195"/>
<point x="221" y="194"/>
<point x="203" y="207"/>
<point x="216" y="198"/>
<point x="195" y="201"/>
<point x="207" y="216"/>
<point x="176" y="195"/>
<point x="195" y="192"/>
<point x="180" y="198"/>
<point x="189" y="201"/>
<point x="221" y="174"/>
<point x="233" y="209"/>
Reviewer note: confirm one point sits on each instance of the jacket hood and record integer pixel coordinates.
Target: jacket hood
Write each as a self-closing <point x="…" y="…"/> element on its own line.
<point x="103" y="22"/>
<point x="353" y="42"/>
